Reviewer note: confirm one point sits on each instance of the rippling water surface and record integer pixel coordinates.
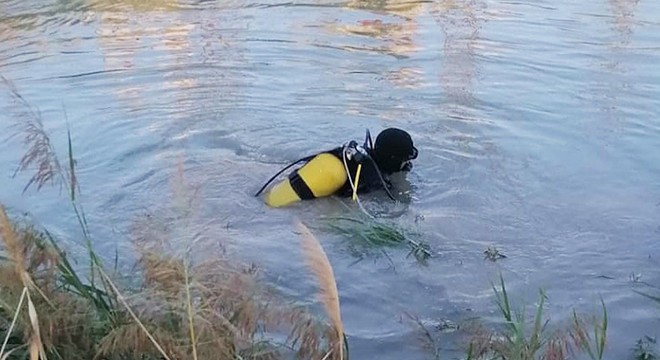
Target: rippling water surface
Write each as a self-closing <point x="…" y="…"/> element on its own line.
<point x="537" y="123"/>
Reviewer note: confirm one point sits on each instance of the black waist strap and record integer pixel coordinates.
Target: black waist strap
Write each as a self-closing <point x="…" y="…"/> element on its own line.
<point x="300" y="187"/>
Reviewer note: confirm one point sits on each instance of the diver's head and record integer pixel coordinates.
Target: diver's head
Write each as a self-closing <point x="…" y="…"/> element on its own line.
<point x="394" y="150"/>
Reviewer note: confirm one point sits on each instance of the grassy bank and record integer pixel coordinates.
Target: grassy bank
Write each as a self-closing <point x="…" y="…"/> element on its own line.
<point x="181" y="309"/>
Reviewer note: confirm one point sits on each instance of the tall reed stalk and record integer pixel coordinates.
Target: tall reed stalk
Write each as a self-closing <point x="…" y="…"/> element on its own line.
<point x="15" y="251"/>
<point x="318" y="263"/>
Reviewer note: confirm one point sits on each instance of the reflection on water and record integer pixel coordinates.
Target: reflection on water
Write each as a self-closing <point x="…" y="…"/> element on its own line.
<point x="460" y="21"/>
<point x="164" y="49"/>
<point x="397" y="33"/>
<point x="125" y="31"/>
<point x="14" y="27"/>
<point x="614" y="78"/>
<point x="386" y="27"/>
<point x="623" y="12"/>
<point x="130" y="6"/>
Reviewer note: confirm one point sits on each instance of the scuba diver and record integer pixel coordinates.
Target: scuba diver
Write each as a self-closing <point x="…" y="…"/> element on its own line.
<point x="345" y="170"/>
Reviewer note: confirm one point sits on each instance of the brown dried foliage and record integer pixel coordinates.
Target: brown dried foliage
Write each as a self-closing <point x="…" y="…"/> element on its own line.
<point x="318" y="263"/>
<point x="62" y="318"/>
<point x="39" y="153"/>
<point x="231" y="313"/>
<point x="556" y="349"/>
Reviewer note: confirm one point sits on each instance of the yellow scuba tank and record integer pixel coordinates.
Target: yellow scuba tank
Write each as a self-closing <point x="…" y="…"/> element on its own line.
<point x="322" y="176"/>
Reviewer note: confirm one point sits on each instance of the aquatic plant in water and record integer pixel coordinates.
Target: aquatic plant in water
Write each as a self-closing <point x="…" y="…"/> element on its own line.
<point x="517" y="340"/>
<point x="645" y="349"/>
<point x="521" y="337"/>
<point x="367" y="234"/>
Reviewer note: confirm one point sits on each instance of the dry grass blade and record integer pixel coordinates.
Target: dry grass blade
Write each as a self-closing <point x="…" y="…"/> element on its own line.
<point x="36" y="345"/>
<point x="14" y="247"/>
<point x="15" y="250"/>
<point x="191" y="320"/>
<point x="130" y="311"/>
<point x="320" y="265"/>
<point x="327" y="355"/>
<point x="13" y="323"/>
<point x="428" y="339"/>
<point x="6" y="356"/>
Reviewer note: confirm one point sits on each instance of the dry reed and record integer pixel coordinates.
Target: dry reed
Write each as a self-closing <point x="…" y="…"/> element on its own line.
<point x="16" y="252"/>
<point x="40" y="153"/>
<point x="318" y="263"/>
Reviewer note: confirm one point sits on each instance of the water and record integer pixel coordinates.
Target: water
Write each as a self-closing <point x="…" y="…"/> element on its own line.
<point x="537" y="125"/>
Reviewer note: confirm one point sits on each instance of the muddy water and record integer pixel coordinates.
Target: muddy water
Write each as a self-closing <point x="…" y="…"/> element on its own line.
<point x="537" y="125"/>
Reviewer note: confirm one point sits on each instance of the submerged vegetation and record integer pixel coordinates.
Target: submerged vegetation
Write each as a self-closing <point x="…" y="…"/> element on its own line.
<point x="492" y="253"/>
<point x="367" y="235"/>
<point x="646" y="348"/>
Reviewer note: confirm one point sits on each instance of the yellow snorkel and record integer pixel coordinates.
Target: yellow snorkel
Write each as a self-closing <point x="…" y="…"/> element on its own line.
<point x="357" y="181"/>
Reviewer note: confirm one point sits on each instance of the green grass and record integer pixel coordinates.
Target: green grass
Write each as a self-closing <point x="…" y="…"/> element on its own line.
<point x="594" y="343"/>
<point x="645" y="349"/>
<point x="366" y="235"/>
<point x="524" y="337"/>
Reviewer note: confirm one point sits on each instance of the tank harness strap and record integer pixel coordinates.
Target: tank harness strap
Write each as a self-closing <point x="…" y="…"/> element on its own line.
<point x="300" y="187"/>
<point x="306" y="158"/>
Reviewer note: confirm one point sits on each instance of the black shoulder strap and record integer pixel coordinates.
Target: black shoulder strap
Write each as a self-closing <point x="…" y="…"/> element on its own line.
<point x="306" y="158"/>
